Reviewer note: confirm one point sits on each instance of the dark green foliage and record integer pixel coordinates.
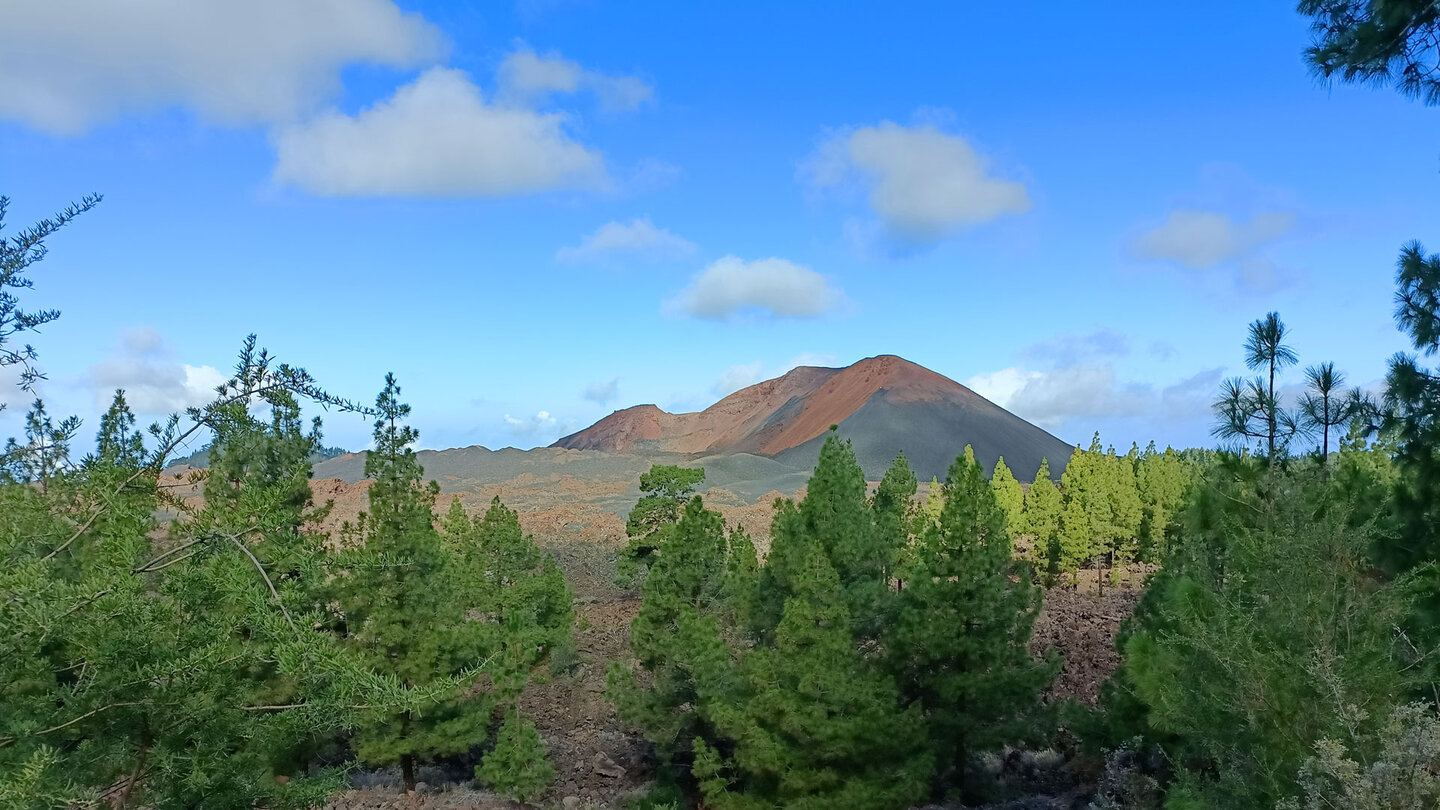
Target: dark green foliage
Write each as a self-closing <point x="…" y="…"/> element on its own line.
<point x="1250" y="410"/>
<point x="516" y="766"/>
<point x="1413" y="400"/>
<point x="407" y="595"/>
<point x="677" y="638"/>
<point x="666" y="489"/>
<point x="1267" y="634"/>
<point x="818" y="727"/>
<point x="958" y="647"/>
<point x="170" y="673"/>
<point x="833" y="676"/>
<point x="1377" y="42"/>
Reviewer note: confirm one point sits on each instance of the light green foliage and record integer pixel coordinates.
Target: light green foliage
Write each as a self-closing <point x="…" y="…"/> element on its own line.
<point x="1042" y="521"/>
<point x="934" y="502"/>
<point x="1010" y="495"/>
<point x="958" y="647"/>
<point x="1162" y="481"/>
<point x="1084" y="512"/>
<point x="666" y="488"/>
<point x="1402" y="773"/>
<point x="1126" y="512"/>
<point x="517" y="766"/>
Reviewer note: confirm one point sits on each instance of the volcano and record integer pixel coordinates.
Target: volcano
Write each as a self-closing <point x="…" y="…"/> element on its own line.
<point x="884" y="405"/>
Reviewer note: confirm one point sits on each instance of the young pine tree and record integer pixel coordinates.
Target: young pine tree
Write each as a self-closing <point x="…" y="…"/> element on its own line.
<point x="815" y="725"/>
<point x="666" y="490"/>
<point x="403" y="605"/>
<point x="1042" y="521"/>
<point x="1010" y="495"/>
<point x="688" y="605"/>
<point x="966" y="615"/>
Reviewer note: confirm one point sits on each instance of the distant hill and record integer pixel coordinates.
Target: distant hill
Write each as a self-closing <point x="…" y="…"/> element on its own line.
<point x="884" y="405"/>
<point x="200" y="459"/>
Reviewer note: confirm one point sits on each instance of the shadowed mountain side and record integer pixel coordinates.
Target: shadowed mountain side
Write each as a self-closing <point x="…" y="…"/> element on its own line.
<point x="932" y="434"/>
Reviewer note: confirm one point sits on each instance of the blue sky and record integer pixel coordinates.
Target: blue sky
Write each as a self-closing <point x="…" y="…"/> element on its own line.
<point x="537" y="213"/>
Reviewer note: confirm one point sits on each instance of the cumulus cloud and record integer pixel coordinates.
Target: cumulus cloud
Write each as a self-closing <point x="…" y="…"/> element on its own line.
<point x="778" y="287"/>
<point x="528" y="76"/>
<point x="541" y="423"/>
<point x="923" y="184"/>
<point x="435" y="137"/>
<point x="68" y="65"/>
<point x="603" y="391"/>
<point x="154" y="382"/>
<point x="1201" y="240"/>
<point x="1056" y="398"/>
<point x="1205" y="241"/>
<point x="638" y="237"/>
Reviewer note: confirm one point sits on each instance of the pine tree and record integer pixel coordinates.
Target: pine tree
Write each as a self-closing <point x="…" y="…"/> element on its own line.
<point x="966" y="616"/>
<point x="666" y="489"/>
<point x="1084" y="513"/>
<point x="1127" y="513"/>
<point x="401" y="604"/>
<point x="678" y="636"/>
<point x="1162" y="480"/>
<point x="1042" y="521"/>
<point x="934" y="501"/>
<point x="836" y="518"/>
<point x="202" y="670"/>
<point x="517" y="766"/>
<point x="817" y="726"/>
<point x="894" y="509"/>
<point x="1010" y="495"/>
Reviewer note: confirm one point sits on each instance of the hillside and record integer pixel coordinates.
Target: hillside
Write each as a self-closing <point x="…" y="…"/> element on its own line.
<point x="883" y="404"/>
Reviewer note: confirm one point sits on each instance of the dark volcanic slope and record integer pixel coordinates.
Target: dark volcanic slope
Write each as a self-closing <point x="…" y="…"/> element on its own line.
<point x="932" y="434"/>
<point x="882" y="404"/>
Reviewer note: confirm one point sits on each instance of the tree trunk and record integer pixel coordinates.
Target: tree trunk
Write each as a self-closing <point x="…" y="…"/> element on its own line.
<point x="407" y="771"/>
<point x="124" y="800"/>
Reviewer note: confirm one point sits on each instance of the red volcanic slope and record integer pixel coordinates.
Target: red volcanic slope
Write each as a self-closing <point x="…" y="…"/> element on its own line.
<point x="777" y="415"/>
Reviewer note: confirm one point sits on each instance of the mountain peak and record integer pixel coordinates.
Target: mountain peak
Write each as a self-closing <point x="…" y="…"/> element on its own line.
<point x="883" y="404"/>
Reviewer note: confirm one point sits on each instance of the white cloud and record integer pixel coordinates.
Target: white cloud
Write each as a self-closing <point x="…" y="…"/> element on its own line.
<point x="1052" y="399"/>
<point x="639" y="236"/>
<point x="1201" y="240"/>
<point x="603" y="391"/>
<point x="528" y="76"/>
<point x="541" y="423"/>
<point x="435" y="137"/>
<point x="68" y="65"/>
<point x="1204" y="241"/>
<point x="154" y="382"/>
<point x="781" y="288"/>
<point x="923" y="184"/>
